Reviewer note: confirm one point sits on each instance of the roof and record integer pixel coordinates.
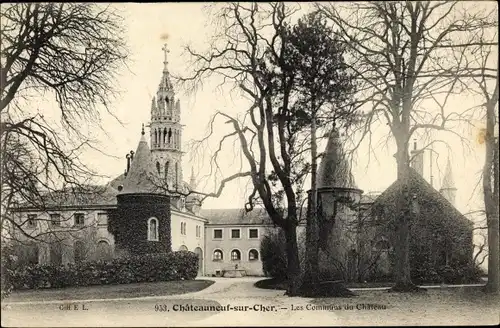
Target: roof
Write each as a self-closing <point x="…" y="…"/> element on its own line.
<point x="418" y="185"/>
<point x="82" y="196"/>
<point x="238" y="216"/>
<point x="369" y="198"/>
<point x="448" y="181"/>
<point x="334" y="169"/>
<point x="141" y="176"/>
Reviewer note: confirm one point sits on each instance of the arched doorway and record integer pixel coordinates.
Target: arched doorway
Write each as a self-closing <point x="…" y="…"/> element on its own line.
<point x="183" y="248"/>
<point x="103" y="251"/>
<point x="199" y="253"/>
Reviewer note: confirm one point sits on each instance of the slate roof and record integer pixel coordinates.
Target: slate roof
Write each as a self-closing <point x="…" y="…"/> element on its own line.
<point x="334" y="169"/>
<point x="141" y="176"/>
<point x="86" y="196"/>
<point x="238" y="216"/>
<point x="448" y="181"/>
<point x="419" y="185"/>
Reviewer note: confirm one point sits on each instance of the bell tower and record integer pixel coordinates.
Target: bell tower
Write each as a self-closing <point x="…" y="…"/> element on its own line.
<point x="166" y="130"/>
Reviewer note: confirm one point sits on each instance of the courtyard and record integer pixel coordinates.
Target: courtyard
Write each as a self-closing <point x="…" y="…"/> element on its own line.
<point x="237" y="301"/>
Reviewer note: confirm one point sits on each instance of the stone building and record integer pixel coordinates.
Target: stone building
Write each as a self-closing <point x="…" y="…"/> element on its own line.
<point x="360" y="240"/>
<point x="143" y="210"/>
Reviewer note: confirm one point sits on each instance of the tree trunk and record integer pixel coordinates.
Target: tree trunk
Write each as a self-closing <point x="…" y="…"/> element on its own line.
<point x="490" y="191"/>
<point x="403" y="214"/>
<point x="293" y="263"/>
<point x="311" y="278"/>
<point x="493" y="284"/>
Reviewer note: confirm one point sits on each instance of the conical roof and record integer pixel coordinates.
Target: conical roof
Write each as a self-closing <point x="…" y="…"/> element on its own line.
<point x="141" y="177"/>
<point x="334" y="169"/>
<point x="448" y="181"/>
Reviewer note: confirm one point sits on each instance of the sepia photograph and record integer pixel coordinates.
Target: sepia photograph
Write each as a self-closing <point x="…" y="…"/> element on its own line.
<point x="227" y="164"/>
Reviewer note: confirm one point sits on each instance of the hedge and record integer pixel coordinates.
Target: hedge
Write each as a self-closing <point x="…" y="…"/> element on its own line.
<point x="181" y="265"/>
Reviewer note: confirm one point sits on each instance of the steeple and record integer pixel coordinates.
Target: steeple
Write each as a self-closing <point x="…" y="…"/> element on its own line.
<point x="166" y="130"/>
<point x="192" y="180"/>
<point x="448" y="189"/>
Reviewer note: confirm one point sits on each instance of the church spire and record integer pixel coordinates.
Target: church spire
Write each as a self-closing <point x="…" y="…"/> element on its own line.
<point x="166" y="129"/>
<point x="192" y="181"/>
<point x="448" y="189"/>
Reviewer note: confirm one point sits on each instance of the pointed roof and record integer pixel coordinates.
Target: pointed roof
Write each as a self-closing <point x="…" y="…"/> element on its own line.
<point x="334" y="169"/>
<point x="192" y="180"/>
<point x="141" y="175"/>
<point x="165" y="83"/>
<point x="434" y="200"/>
<point x="448" y="181"/>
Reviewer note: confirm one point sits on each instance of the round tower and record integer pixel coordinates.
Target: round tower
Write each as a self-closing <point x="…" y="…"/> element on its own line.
<point x="141" y="223"/>
<point x="166" y="131"/>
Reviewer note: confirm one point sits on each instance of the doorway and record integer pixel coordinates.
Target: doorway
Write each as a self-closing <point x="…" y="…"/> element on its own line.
<point x="199" y="253"/>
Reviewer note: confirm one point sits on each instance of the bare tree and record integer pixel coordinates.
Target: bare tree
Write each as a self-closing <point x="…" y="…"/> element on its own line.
<point x="406" y="54"/>
<point x="249" y="53"/>
<point x="487" y="87"/>
<point x="69" y="54"/>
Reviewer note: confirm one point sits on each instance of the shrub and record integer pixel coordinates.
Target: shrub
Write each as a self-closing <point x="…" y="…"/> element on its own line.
<point x="181" y="265"/>
<point x="273" y="253"/>
<point x="8" y="260"/>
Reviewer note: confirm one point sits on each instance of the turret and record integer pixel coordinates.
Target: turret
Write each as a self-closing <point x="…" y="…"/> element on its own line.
<point x="448" y="189"/>
<point x="141" y="221"/>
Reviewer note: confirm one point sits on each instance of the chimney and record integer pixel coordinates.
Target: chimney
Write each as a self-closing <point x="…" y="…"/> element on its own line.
<point x="128" y="162"/>
<point x="417" y="159"/>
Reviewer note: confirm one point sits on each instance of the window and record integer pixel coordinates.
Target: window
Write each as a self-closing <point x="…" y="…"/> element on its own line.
<point x="79" y="219"/>
<point x="235" y="255"/>
<point x="217" y="233"/>
<point x="31" y="220"/>
<point x="183" y="228"/>
<point x="79" y="251"/>
<point x="55" y="253"/>
<point x="198" y="231"/>
<point x="253" y="255"/>
<point x="55" y="219"/>
<point x="235" y="233"/>
<point x="183" y="248"/>
<point x="30" y="254"/>
<point x="153" y="229"/>
<point x="218" y="256"/>
<point x="253" y="233"/>
<point x="102" y="219"/>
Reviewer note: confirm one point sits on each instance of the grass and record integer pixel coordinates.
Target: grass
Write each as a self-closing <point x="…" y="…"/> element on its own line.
<point x="162" y="288"/>
<point x="272" y="283"/>
<point x="279" y="284"/>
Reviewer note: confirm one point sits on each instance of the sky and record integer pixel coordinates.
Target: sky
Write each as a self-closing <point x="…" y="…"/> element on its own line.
<point x="188" y="23"/>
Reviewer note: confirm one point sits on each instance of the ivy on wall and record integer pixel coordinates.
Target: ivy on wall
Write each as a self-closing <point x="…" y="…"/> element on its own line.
<point x="129" y="223"/>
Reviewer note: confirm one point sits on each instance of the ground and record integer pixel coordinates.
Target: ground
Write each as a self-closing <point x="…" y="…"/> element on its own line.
<point x="162" y="288"/>
<point x="450" y="306"/>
